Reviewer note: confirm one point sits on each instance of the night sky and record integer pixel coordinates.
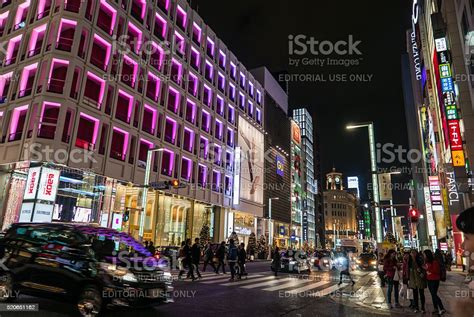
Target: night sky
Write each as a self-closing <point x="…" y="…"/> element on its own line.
<point x="257" y="32"/>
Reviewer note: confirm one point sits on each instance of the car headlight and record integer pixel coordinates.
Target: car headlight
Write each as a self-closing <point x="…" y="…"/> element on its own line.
<point x="292" y="262"/>
<point x="119" y="272"/>
<point x="373" y="262"/>
<point x="312" y="260"/>
<point x="325" y="261"/>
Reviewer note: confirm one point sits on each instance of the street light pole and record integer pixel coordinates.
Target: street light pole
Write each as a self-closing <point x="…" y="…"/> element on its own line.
<point x="373" y="167"/>
<point x="146" y="183"/>
<point x="270" y="227"/>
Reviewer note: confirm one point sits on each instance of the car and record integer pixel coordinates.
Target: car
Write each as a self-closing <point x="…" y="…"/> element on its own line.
<point x="367" y="261"/>
<point x="321" y="258"/>
<point x="293" y="261"/>
<point x="90" y="266"/>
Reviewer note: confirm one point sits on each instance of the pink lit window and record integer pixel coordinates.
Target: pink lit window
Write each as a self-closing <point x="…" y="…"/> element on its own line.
<point x="186" y="168"/>
<point x="176" y="71"/>
<point x="193" y="85"/>
<point x="36" y="40"/>
<point x="232" y="92"/>
<point x="17" y="123"/>
<point x="188" y="140"/>
<point x="203" y="147"/>
<point x="100" y="52"/>
<point x="44" y="7"/>
<point x="164" y="5"/>
<point x="231" y="114"/>
<point x="233" y="70"/>
<point x="27" y="80"/>
<point x="181" y="18"/>
<point x="3" y="21"/>
<point x="129" y="71"/>
<point x="173" y="100"/>
<point x="138" y="9"/>
<point x="95" y="88"/>
<point x="57" y="75"/>
<point x="220" y="105"/>
<point x="65" y="37"/>
<point x="5" y="81"/>
<point x="210" y="47"/>
<point x="221" y="81"/>
<point x="190" y="111"/>
<point x="228" y="185"/>
<point x="202" y="175"/>
<point x="207" y="96"/>
<point x="157" y="56"/>
<point x="197" y="33"/>
<point x="216" y="181"/>
<point x="153" y="87"/>
<point x="21" y="15"/>
<point x="48" y="120"/>
<point x="179" y="43"/>
<point x="209" y="73"/>
<point x="87" y="131"/>
<point x="149" y="119"/>
<point x="167" y="162"/>
<point x="195" y="58"/>
<point x="134" y="37"/>
<point x="119" y="144"/>
<point x="160" y="27"/>
<point x="171" y="129"/>
<point x="205" y="121"/>
<point x="143" y="149"/>
<point x="124" y="107"/>
<point x="107" y="16"/>
<point x="217" y="154"/>
<point x="222" y="58"/>
<point x="12" y="50"/>
<point x="219" y="129"/>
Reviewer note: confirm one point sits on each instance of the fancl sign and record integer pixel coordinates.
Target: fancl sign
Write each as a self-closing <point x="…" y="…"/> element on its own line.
<point x="414" y="43"/>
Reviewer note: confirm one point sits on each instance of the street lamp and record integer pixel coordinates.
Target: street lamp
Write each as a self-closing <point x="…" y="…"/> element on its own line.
<point x="393" y="210"/>
<point x="373" y="166"/>
<point x="270" y="226"/>
<point x="146" y="183"/>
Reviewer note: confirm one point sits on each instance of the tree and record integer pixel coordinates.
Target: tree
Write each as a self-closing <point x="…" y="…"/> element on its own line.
<point x="390" y="238"/>
<point x="252" y="245"/>
<point x="204" y="236"/>
<point x="262" y="247"/>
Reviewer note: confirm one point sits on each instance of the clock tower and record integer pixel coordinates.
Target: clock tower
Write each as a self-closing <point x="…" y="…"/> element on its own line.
<point x="334" y="180"/>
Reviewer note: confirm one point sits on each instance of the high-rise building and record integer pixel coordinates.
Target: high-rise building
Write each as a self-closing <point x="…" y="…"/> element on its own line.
<point x="88" y="88"/>
<point x="305" y="122"/>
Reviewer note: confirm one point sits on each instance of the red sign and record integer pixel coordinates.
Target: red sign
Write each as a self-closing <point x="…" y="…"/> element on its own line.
<point x="32" y="184"/>
<point x="454" y="135"/>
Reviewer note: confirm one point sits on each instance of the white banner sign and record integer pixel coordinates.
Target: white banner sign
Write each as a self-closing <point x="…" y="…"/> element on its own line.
<point x="48" y="186"/>
<point x="32" y="183"/>
<point x="43" y="213"/>
<point x="25" y="213"/>
<point x="385" y="186"/>
<point x="429" y="212"/>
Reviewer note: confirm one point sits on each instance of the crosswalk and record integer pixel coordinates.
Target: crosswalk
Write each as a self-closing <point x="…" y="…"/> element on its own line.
<point x="313" y="285"/>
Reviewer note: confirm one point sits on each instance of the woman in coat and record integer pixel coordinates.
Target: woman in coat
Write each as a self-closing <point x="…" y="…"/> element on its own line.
<point x="433" y="277"/>
<point x="390" y="268"/>
<point x="417" y="280"/>
<point x="276" y="260"/>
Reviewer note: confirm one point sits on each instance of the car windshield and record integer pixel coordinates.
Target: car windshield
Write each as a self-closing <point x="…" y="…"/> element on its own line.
<point x="367" y="256"/>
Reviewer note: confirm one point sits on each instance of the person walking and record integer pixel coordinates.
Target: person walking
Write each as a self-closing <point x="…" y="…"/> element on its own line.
<point x="276" y="260"/>
<point x="220" y="254"/>
<point x="464" y="306"/>
<point x="406" y="276"/>
<point x="196" y="256"/>
<point x="345" y="268"/>
<point x="441" y="258"/>
<point x="151" y="248"/>
<point x="241" y="257"/>
<point x="417" y="280"/>
<point x="181" y="260"/>
<point x="188" y="259"/>
<point x="208" y="257"/>
<point x="449" y="260"/>
<point x="380" y="271"/>
<point x="390" y="268"/>
<point x="232" y="256"/>
<point x="433" y="277"/>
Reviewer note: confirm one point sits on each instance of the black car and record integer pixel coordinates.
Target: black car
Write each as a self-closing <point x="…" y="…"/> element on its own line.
<point x="293" y="261"/>
<point x="90" y="266"/>
<point x="367" y="261"/>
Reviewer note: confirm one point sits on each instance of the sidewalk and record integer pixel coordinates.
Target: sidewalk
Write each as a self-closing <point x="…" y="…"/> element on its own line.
<point x="372" y="296"/>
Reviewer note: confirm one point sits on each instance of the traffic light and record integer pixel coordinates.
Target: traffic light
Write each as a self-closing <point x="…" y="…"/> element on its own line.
<point x="414" y="215"/>
<point x="174" y="183"/>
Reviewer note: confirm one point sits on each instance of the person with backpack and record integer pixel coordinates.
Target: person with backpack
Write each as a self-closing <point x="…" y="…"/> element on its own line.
<point x="220" y="255"/>
<point x="390" y="268"/>
<point x="241" y="257"/>
<point x="433" y="277"/>
<point x="208" y="257"/>
<point x="232" y="256"/>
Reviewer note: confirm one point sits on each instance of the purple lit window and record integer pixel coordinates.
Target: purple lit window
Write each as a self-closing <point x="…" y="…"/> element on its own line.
<point x="186" y="168"/>
<point x="216" y="181"/>
<point x="205" y="121"/>
<point x="95" y="88"/>
<point x="138" y="9"/>
<point x="181" y="20"/>
<point x="107" y="16"/>
<point x="153" y="87"/>
<point x="228" y="185"/>
<point x="171" y="127"/>
<point x="190" y="111"/>
<point x="202" y="175"/>
<point x="36" y="40"/>
<point x="21" y="14"/>
<point x="242" y="80"/>
<point x="195" y="58"/>
<point x="27" y="79"/>
<point x="143" y="149"/>
<point x="231" y="114"/>
<point x="65" y="36"/>
<point x="167" y="162"/>
<point x="229" y="161"/>
<point x="176" y="71"/>
<point x="209" y="73"/>
<point x="100" y="52"/>
<point x="188" y="140"/>
<point x="157" y="56"/>
<point x="193" y="85"/>
<point x="250" y="108"/>
<point x="197" y="33"/>
<point x="259" y="97"/>
<point x="179" y="43"/>
<point x="218" y="129"/>
<point x="149" y="119"/>
<point x="232" y="92"/>
<point x="203" y="147"/>
<point x="220" y="105"/>
<point x="222" y="58"/>
<point x="233" y="70"/>
<point x="5" y="81"/>
<point x="230" y="137"/>
<point x="134" y="37"/>
<point x="160" y="27"/>
<point x="210" y="47"/>
<point x="119" y="144"/>
<point x="129" y="71"/>
<point x="207" y="97"/>
<point x="124" y="107"/>
<point x="217" y="154"/>
<point x="241" y="101"/>
<point x="221" y="81"/>
<point x="173" y="100"/>
<point x="17" y="122"/>
<point x="251" y="89"/>
<point x="87" y="131"/>
<point x="259" y="115"/>
<point x="12" y="50"/>
<point x="164" y="5"/>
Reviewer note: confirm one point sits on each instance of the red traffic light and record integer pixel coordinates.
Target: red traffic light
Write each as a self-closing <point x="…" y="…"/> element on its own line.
<point x="414" y="215"/>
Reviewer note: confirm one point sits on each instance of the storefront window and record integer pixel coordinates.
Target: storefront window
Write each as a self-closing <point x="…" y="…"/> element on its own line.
<point x="244" y="225"/>
<point x="170" y="228"/>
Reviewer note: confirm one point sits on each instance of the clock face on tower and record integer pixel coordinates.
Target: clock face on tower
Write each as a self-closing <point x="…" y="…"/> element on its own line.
<point x="338" y="179"/>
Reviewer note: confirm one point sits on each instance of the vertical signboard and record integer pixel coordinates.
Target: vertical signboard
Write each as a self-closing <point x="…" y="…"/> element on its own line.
<point x="236" y="191"/>
<point x="353" y="182"/>
<point x="32" y="183"/>
<point x="48" y="185"/>
<point x="429" y="211"/>
<point x="385" y="186"/>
